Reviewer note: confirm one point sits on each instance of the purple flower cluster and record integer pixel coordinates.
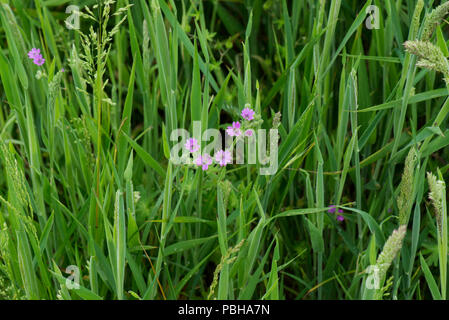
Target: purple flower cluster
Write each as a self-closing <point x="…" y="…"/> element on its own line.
<point x="204" y="161"/>
<point x="248" y="114"/>
<point x="192" y="145"/>
<point x="249" y="133"/>
<point x="222" y="157"/>
<point x="235" y="130"/>
<point x="333" y="209"/>
<point x="35" y="55"/>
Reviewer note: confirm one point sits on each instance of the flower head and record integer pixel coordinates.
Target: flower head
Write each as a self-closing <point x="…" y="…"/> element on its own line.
<point x="39" y="60"/>
<point x="248" y="114"/>
<point x="204" y="161"/>
<point x="333" y="210"/>
<point x="192" y="145"/>
<point x="339" y="216"/>
<point x="33" y="53"/>
<point x="249" y="133"/>
<point x="234" y="130"/>
<point x="223" y="157"/>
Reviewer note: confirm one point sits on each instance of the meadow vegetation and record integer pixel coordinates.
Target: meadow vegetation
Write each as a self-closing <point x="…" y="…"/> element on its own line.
<point x="355" y="210"/>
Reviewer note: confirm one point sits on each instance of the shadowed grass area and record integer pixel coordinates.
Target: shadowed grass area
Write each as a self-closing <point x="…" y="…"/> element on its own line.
<point x="91" y="207"/>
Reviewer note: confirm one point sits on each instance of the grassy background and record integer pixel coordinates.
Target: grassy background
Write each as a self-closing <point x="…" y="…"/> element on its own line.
<point x="81" y="146"/>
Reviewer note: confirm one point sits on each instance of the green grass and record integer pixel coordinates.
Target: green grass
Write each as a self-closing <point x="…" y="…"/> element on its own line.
<point x="86" y="179"/>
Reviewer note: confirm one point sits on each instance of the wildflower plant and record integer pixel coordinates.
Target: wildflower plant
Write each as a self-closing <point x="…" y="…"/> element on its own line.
<point x="35" y="55"/>
<point x="192" y="145"/>
<point x="333" y="209"/>
<point x="248" y="114"/>
<point x="234" y="130"/>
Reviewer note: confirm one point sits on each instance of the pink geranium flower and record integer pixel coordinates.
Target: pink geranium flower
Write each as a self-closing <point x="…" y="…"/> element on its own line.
<point x="33" y="53"/>
<point x="39" y="60"/>
<point x="192" y="145"/>
<point x="249" y="133"/>
<point x="248" y="114"/>
<point x="223" y="157"/>
<point x="234" y="130"/>
<point x="204" y="161"/>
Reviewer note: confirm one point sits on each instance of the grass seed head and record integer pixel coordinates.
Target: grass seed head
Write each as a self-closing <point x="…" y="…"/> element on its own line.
<point x="434" y="19"/>
<point x="390" y="250"/>
<point x="436" y="194"/>
<point x="416" y="17"/>
<point x="405" y="199"/>
<point x="430" y="56"/>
